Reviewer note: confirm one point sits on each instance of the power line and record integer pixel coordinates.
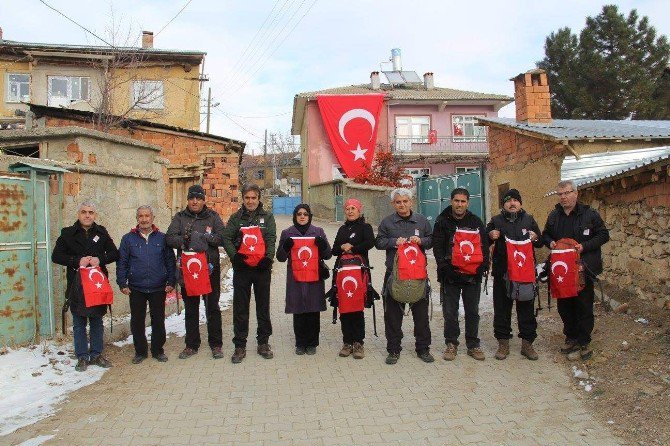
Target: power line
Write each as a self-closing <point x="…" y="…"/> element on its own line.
<point x="172" y="19"/>
<point x="78" y="24"/>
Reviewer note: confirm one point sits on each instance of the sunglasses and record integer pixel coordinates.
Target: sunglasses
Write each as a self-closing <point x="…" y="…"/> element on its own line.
<point x="302" y="214"/>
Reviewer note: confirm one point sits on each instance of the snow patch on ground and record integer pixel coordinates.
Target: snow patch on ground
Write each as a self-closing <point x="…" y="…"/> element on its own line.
<point x="37" y="440"/>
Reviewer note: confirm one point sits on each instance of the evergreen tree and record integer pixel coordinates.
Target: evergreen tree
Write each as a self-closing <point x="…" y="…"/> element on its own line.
<point x="614" y="70"/>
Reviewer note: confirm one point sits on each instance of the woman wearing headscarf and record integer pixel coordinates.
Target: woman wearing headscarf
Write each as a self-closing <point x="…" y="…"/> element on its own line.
<point x="304" y="299"/>
<point x="355" y="236"/>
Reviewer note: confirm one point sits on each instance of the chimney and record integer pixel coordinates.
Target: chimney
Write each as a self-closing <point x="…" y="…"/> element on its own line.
<point x="147" y="39"/>
<point x="428" y="81"/>
<point x="374" y="80"/>
<point x="531" y="95"/>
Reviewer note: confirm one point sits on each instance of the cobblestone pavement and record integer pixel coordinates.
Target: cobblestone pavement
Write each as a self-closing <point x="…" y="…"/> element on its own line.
<point x="324" y="399"/>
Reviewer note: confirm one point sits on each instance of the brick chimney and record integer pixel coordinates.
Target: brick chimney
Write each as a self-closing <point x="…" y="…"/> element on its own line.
<point x="531" y="95"/>
<point x="375" y="83"/>
<point x="147" y="39"/>
<point x="428" y="81"/>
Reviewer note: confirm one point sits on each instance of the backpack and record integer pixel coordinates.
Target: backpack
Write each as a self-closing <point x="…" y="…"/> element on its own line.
<point x="406" y="291"/>
<point x="521" y="291"/>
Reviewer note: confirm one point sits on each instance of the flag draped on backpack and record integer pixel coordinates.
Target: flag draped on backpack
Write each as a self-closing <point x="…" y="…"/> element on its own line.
<point x="195" y="271"/>
<point x="305" y="259"/>
<point x="411" y="262"/>
<point x="520" y="260"/>
<point x="253" y="245"/>
<point x="466" y="254"/>
<point x="96" y="287"/>
<point x="564" y="273"/>
<point x="351" y="288"/>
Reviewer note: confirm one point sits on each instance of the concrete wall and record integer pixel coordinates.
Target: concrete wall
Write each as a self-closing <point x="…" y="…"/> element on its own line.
<point x="322" y="200"/>
<point x="376" y="200"/>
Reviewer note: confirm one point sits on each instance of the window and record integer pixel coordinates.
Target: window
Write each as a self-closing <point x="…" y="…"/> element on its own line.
<point x="148" y="95"/>
<point x="464" y="169"/>
<point x="417" y="172"/>
<point x="18" y="87"/>
<point x="66" y="89"/>
<point x="411" y="129"/>
<point x="465" y="130"/>
<point x="259" y="174"/>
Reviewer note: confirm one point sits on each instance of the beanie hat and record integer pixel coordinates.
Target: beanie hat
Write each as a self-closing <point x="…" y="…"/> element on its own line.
<point x="512" y="193"/>
<point x="355" y="203"/>
<point x="196" y="191"/>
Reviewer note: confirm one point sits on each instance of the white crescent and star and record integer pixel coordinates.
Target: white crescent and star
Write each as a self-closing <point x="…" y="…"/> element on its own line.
<point x="244" y="241"/>
<point x="96" y="271"/>
<point x="466" y="243"/>
<point x="520" y="254"/>
<point x="350" y="279"/>
<point x="308" y="249"/>
<point x="559" y="263"/>
<point x="411" y="248"/>
<point x="188" y="266"/>
<point x="353" y="114"/>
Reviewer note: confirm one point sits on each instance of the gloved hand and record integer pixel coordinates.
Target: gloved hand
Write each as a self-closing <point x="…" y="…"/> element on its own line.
<point x="238" y="260"/>
<point x="446" y="273"/>
<point x="331" y="295"/>
<point x="198" y="242"/>
<point x="320" y="243"/>
<point x="481" y="269"/>
<point x="264" y="264"/>
<point x="288" y="244"/>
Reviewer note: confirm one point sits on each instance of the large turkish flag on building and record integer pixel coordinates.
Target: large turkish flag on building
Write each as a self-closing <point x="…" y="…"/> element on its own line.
<point x="520" y="260"/>
<point x="305" y="259"/>
<point x="351" y="122"/>
<point x="253" y="245"/>
<point x="96" y="287"/>
<point x="411" y="262"/>
<point x="195" y="271"/>
<point x="467" y="255"/>
<point x="351" y="289"/>
<point x="564" y="273"/>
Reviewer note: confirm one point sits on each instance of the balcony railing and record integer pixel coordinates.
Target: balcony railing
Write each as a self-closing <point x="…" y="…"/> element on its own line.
<point x="443" y="145"/>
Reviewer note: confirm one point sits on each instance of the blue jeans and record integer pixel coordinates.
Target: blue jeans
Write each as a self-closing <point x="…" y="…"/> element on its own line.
<point x="81" y="347"/>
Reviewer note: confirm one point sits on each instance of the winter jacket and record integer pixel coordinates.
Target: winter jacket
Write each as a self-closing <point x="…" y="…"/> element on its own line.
<point x="516" y="229"/>
<point x="146" y="265"/>
<point x="232" y="236"/>
<point x="74" y="243"/>
<point x="186" y="226"/>
<point x="359" y="234"/>
<point x="303" y="297"/>
<point x="443" y="236"/>
<point x="583" y="224"/>
<point x="394" y="227"/>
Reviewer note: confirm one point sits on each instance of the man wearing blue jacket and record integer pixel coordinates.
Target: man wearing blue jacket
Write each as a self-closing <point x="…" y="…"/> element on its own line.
<point x="146" y="272"/>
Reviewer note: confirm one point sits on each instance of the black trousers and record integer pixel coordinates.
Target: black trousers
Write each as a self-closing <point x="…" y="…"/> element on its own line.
<point x="306" y="327"/>
<point x="502" y="314"/>
<point x="577" y="315"/>
<point x="138" y="314"/>
<point x="212" y="311"/>
<point x="353" y="327"/>
<point x="243" y="280"/>
<point x="451" y="296"/>
<point x="394" y="312"/>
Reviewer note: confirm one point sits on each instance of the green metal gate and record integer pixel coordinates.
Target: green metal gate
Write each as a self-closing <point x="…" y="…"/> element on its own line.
<point x="434" y="193"/>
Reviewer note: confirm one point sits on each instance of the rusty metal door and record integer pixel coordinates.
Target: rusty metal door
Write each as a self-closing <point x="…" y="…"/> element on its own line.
<point x="26" y="297"/>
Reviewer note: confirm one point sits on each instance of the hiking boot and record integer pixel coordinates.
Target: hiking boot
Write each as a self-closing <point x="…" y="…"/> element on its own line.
<point x="425" y="356"/>
<point x="217" y="353"/>
<point x="82" y="365"/>
<point x="187" y="353"/>
<point x="101" y="361"/>
<point x="160" y="357"/>
<point x="347" y="349"/>
<point x="585" y="352"/>
<point x="569" y="346"/>
<point x="392" y="358"/>
<point x="450" y="352"/>
<point x="300" y="351"/>
<point x="138" y="358"/>
<point x="359" y="353"/>
<point x="528" y="351"/>
<point x="477" y="353"/>
<point x="239" y="354"/>
<point x="310" y="350"/>
<point x="265" y="351"/>
<point x="503" y="349"/>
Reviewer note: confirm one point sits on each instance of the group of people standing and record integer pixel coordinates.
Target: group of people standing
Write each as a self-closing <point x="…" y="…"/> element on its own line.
<point x="147" y="270"/>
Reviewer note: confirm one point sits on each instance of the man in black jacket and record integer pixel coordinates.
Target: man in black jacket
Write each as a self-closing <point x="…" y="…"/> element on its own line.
<point x="83" y="244"/>
<point x="514" y="223"/>
<point x="580" y="222"/>
<point x="454" y="282"/>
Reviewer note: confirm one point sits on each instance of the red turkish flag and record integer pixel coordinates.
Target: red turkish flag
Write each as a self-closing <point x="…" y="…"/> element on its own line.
<point x="466" y="255"/>
<point x="195" y="271"/>
<point x="411" y="262"/>
<point x="520" y="260"/>
<point x="351" y="122"/>
<point x="351" y="289"/>
<point x="97" y="290"/>
<point x="564" y="273"/>
<point x="305" y="259"/>
<point x="253" y="245"/>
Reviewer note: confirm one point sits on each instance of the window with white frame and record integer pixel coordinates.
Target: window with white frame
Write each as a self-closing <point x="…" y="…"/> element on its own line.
<point x="148" y="95"/>
<point x="18" y="87"/>
<point x="464" y="129"/>
<point x="463" y="169"/>
<point x="411" y="129"/>
<point x="66" y="89"/>
<point x="417" y="172"/>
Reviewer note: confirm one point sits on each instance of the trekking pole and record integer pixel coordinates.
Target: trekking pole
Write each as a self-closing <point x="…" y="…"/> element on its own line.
<point x="177" y="293"/>
<point x="374" y="318"/>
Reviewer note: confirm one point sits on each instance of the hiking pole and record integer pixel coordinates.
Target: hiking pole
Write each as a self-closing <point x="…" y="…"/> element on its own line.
<point x="374" y="318"/>
<point x="177" y="293"/>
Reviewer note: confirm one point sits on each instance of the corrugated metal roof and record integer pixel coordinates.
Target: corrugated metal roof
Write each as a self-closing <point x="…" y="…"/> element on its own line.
<point x="410" y="92"/>
<point x="584" y="129"/>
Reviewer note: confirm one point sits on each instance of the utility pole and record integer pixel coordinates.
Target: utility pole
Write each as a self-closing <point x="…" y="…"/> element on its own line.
<point x="265" y="145"/>
<point x="209" y="106"/>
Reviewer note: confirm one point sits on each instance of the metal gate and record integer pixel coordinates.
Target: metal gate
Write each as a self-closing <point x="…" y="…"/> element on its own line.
<point x="285" y="205"/>
<point x="434" y="193"/>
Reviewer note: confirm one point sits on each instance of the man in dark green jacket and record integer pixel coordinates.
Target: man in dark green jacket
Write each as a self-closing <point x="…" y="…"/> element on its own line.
<point x="244" y="275"/>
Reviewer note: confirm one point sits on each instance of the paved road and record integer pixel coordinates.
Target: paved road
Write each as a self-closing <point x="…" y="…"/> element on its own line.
<point x="324" y="399"/>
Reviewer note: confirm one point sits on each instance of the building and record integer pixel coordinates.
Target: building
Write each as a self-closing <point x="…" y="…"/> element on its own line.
<point x="145" y="83"/>
<point x="277" y="173"/>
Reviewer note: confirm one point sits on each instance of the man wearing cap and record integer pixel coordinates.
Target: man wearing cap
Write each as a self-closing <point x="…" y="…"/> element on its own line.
<point x="200" y="229"/>
<point x="513" y="223"/>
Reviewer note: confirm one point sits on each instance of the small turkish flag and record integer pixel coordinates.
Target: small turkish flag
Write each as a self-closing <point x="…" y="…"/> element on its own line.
<point x="411" y="262"/>
<point x="466" y="255"/>
<point x="305" y="259"/>
<point x="96" y="287"/>
<point x="564" y="273"/>
<point x="195" y="271"/>
<point x="253" y="245"/>
<point x="351" y="289"/>
<point x="520" y="260"/>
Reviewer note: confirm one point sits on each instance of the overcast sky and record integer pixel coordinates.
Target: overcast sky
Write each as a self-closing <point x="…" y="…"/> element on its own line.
<point x="303" y="45"/>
